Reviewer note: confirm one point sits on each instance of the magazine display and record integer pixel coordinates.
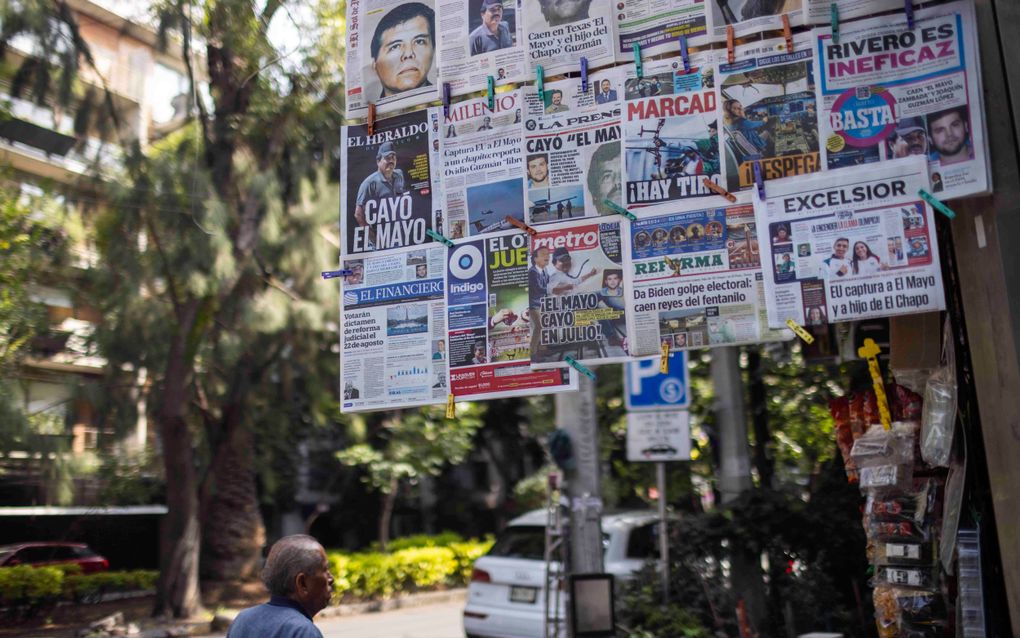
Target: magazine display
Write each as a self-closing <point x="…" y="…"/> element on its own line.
<point x="478" y="39"/>
<point x="559" y="33"/>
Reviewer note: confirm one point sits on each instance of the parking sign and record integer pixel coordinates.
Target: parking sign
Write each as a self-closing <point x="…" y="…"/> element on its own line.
<point x="649" y="389"/>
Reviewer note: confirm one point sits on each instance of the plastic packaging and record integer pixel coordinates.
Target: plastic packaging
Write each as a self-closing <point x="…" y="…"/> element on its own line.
<point x="939" y="414"/>
<point x="885" y="458"/>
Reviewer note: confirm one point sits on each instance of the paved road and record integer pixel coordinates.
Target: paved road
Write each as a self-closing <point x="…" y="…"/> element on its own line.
<point x="442" y="620"/>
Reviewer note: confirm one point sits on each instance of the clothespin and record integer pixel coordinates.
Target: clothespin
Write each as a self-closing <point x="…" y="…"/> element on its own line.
<point x="834" y="10"/>
<point x="731" y="56"/>
<point x="491" y="92"/>
<point x="451" y="407"/>
<point x="519" y="224"/>
<point x="684" y="55"/>
<point x="800" y="332"/>
<point x="371" y="119"/>
<point x="908" y="8"/>
<point x="619" y="210"/>
<point x="638" y="67"/>
<point x="936" y="204"/>
<point x="870" y="351"/>
<point x="440" y="238"/>
<point x="446" y="99"/>
<point x="674" y="266"/>
<point x="787" y="33"/>
<point x="540" y="81"/>
<point x="719" y="190"/>
<point x="584" y="75"/>
<point x="576" y="365"/>
<point x="758" y="181"/>
<point x="664" y="358"/>
<point x="333" y="274"/>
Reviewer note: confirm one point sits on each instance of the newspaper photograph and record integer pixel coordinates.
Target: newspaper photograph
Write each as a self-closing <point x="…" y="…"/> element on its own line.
<point x="698" y="282"/>
<point x="605" y="88"/>
<point x="768" y="111"/>
<point x="389" y="193"/>
<point x="393" y="323"/>
<point x="559" y="33"/>
<point x="478" y="39"/>
<point x="576" y="293"/>
<point x="749" y="17"/>
<point x="886" y="92"/>
<point x="482" y="165"/>
<point x="670" y="135"/>
<point x="849" y="246"/>
<point x="655" y="26"/>
<point x="391" y="55"/>
<point x="820" y="11"/>
<point x="488" y="342"/>
<point x="572" y="164"/>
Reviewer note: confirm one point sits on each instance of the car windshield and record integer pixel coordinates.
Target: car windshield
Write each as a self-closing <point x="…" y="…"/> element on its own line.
<point x="521" y="541"/>
<point x="4" y="555"/>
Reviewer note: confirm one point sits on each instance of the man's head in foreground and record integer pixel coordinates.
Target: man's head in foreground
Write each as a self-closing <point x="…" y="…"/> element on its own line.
<point x="297" y="568"/>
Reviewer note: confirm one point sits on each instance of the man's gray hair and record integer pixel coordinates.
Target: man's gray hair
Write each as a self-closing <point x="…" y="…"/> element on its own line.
<point x="290" y="556"/>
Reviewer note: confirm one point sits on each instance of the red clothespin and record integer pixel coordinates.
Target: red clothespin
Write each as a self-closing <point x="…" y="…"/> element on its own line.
<point x="787" y="33"/>
<point x="519" y="224"/>
<point x="719" y="190"/>
<point x="371" y="118"/>
<point x="731" y="57"/>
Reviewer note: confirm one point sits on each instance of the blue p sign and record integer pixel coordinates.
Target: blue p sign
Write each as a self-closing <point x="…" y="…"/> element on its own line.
<point x="649" y="389"/>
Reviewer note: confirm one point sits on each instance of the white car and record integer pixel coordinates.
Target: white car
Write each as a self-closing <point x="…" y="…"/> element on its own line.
<point x="506" y="596"/>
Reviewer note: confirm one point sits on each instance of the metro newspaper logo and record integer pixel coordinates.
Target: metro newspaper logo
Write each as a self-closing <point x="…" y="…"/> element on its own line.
<point x="584" y="238"/>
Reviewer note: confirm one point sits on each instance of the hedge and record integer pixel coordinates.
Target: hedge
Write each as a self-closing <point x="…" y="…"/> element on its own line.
<point x="29" y="586"/>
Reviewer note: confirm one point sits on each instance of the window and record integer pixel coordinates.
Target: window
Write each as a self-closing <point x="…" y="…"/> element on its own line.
<point x="35" y="554"/>
<point x="521" y="541"/>
<point x="643" y="542"/>
<point x="63" y="553"/>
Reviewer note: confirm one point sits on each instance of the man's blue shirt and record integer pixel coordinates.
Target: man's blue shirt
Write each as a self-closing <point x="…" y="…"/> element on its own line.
<point x="279" y="618"/>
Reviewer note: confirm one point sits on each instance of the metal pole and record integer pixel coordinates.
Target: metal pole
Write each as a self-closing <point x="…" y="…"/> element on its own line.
<point x="660" y="476"/>
<point x="575" y="413"/>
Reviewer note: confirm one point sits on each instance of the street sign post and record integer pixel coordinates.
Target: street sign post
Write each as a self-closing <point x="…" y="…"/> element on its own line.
<point x="649" y="389"/>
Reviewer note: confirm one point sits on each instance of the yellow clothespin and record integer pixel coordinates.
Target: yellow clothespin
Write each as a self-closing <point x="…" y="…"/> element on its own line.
<point x="664" y="359"/>
<point x="800" y="332"/>
<point x="870" y="351"/>
<point x="451" y="407"/>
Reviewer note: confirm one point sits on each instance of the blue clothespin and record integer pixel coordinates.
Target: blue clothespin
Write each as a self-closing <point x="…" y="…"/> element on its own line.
<point x="684" y="55"/>
<point x="908" y="8"/>
<point x="446" y="99"/>
<point x="619" y="210"/>
<point x="584" y="75"/>
<point x="936" y="204"/>
<point x="540" y="81"/>
<point x="492" y="93"/>
<point x="835" y="22"/>
<point x="637" y="61"/>
<point x="333" y="274"/>
<point x="440" y="238"/>
<point x="758" y="181"/>
<point x="573" y="363"/>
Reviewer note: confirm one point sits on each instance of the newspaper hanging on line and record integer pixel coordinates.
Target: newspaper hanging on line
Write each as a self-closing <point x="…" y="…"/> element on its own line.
<point x="558" y="33"/>
<point x="572" y="164"/>
<point x="489" y="336"/>
<point x="670" y="135"/>
<point x="393" y="321"/>
<point x="482" y="165"/>
<point x="886" y="91"/>
<point x="854" y="245"/>
<point x="656" y="24"/>
<point x="390" y="193"/>
<point x="820" y="11"/>
<point x="605" y="88"/>
<point x="478" y="39"/>
<point x="391" y="55"/>
<point x="576" y="293"/>
<point x="698" y="281"/>
<point x="768" y="112"/>
<point x="750" y="17"/>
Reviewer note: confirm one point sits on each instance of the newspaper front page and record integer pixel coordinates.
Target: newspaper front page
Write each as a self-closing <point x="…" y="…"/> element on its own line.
<point x="576" y="293"/>
<point x="768" y="111"/>
<point x="820" y="11"/>
<point x="558" y="33"/>
<point x="605" y="87"/>
<point x="391" y="55"/>
<point x="393" y="322"/>
<point x="489" y="320"/>
<point x="655" y="26"/>
<point x="389" y="189"/>
<point x="750" y="17"/>
<point x="844" y="246"/>
<point x="478" y="39"/>
<point x="885" y="92"/>
<point x="698" y="281"/>
<point x="482" y="165"/>
<point x="671" y="135"/>
<point x="572" y="164"/>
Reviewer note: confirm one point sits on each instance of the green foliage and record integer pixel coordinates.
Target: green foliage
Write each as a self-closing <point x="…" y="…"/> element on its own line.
<point x="27" y="586"/>
<point x="443" y="539"/>
<point x="466" y="554"/>
<point x="87" y="586"/>
<point x="645" y="617"/>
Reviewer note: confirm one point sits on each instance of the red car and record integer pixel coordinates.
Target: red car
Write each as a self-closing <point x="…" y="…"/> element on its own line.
<point x="46" y="553"/>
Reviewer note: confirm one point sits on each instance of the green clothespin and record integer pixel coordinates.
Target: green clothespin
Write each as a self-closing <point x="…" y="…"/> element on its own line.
<point x="492" y="93"/>
<point x="637" y="61"/>
<point x="936" y="204"/>
<point x="440" y="238"/>
<point x="619" y="210"/>
<point x="540" y="81"/>
<point x="576" y="365"/>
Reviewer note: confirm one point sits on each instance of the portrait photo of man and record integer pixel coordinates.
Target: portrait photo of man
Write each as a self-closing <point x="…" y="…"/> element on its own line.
<point x="403" y="48"/>
<point x="386" y="181"/>
<point x="538" y="170"/>
<point x="838" y="264"/>
<point x="556" y="104"/>
<point x="560" y="12"/>
<point x="949" y="132"/>
<point x="604" y="92"/>
<point x="910" y="138"/>
<point x="493" y="33"/>
<point x="604" y="177"/>
<point x="486" y="124"/>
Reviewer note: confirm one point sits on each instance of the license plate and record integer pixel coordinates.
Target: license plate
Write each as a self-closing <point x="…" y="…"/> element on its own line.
<point x="523" y="595"/>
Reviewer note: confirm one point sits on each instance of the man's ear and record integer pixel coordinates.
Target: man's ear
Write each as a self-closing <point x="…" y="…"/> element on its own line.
<point x="300" y="583"/>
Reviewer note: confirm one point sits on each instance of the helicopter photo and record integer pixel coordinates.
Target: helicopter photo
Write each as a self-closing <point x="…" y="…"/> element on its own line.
<point x="670" y="153"/>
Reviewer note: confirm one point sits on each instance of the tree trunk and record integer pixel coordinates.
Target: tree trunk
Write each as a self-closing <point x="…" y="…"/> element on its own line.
<point x="760" y="419"/>
<point x="389" y="499"/>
